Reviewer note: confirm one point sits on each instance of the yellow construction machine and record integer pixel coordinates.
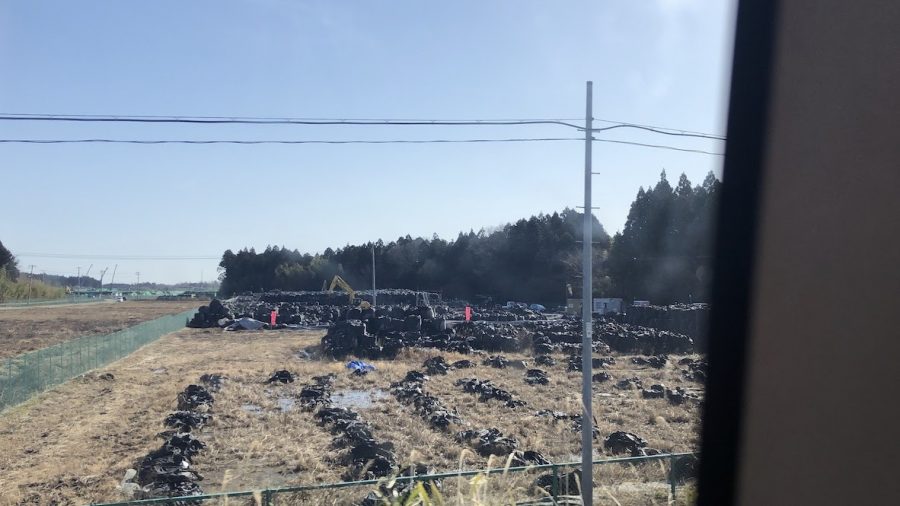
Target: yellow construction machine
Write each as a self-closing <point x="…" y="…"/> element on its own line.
<point x="338" y="282"/>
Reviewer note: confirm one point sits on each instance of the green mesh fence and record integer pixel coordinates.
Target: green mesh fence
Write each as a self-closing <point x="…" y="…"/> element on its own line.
<point x="25" y="375"/>
<point x="504" y="485"/>
<point x="71" y="299"/>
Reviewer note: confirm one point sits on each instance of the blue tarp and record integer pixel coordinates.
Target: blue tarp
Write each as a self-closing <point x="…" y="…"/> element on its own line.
<point x="246" y="324"/>
<point x="359" y="365"/>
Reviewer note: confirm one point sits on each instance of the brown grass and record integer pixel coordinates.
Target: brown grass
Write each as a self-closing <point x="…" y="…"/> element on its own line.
<point x="32" y="328"/>
<point x="73" y="444"/>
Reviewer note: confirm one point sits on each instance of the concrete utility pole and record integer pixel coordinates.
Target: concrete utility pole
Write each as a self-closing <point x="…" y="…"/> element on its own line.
<point x="374" y="292"/>
<point x="102" y="274"/>
<point x="30" y="280"/>
<point x="138" y="274"/>
<point x="587" y="421"/>
<point x="78" y="283"/>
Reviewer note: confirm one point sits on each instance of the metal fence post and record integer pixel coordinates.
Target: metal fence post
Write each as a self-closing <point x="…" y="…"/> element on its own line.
<point x="7" y="385"/>
<point x="554" y="485"/>
<point x="672" y="477"/>
<point x="24" y="373"/>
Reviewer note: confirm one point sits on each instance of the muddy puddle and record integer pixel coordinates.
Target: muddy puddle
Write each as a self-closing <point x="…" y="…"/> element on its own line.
<point x="252" y="408"/>
<point x="357" y="399"/>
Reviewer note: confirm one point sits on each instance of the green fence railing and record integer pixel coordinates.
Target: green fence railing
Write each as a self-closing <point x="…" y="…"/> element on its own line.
<point x="24" y="375"/>
<point x="277" y="496"/>
<point x="69" y="299"/>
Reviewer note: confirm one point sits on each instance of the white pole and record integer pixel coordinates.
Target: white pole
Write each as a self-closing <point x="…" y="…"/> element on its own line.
<point x="30" y="279"/>
<point x="374" y="292"/>
<point x="587" y="425"/>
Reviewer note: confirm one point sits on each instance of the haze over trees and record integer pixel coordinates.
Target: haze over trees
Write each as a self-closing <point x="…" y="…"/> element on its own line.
<point x="661" y="255"/>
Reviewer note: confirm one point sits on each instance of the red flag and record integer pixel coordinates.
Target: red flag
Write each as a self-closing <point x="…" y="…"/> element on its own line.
<point x="274" y="314"/>
<point x="468" y="313"/>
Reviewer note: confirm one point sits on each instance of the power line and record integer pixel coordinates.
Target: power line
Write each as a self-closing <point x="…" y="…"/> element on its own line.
<point x="269" y="118"/>
<point x="659" y="146"/>
<point x="656" y="130"/>
<point x="316" y="141"/>
<point x="117" y="257"/>
<point x="658" y="127"/>
<point x="278" y="121"/>
<point x="394" y="141"/>
<point x="256" y="120"/>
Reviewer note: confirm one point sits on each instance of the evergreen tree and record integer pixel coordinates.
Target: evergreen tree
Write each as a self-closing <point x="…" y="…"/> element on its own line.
<point x="662" y="254"/>
<point x="8" y="263"/>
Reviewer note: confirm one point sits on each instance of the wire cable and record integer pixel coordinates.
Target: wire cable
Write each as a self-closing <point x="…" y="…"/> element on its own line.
<point x="279" y="121"/>
<point x="658" y="146"/>
<point x="394" y="141"/>
<point x="656" y="130"/>
<point x="118" y="257"/>
<point x="274" y="118"/>
<point x="658" y="127"/>
<point x="218" y="120"/>
<point x="315" y="141"/>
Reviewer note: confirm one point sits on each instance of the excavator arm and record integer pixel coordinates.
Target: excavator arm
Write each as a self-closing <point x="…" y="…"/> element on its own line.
<point x="338" y="281"/>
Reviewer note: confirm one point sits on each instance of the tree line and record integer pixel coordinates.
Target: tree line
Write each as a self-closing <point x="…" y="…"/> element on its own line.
<point x="15" y="287"/>
<point x="8" y="263"/>
<point x="661" y="255"/>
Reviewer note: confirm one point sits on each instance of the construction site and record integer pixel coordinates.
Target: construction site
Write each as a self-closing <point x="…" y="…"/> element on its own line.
<point x="273" y="392"/>
<point x="409" y="294"/>
<point x="278" y="253"/>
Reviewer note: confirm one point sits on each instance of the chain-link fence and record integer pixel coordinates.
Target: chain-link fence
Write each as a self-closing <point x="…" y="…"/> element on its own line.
<point x="25" y="375"/>
<point x="69" y="299"/>
<point x="511" y="485"/>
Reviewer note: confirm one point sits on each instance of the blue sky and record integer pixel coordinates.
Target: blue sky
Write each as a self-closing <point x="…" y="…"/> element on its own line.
<point x="662" y="62"/>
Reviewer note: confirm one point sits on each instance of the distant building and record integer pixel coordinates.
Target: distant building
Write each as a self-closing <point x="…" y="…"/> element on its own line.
<point x="602" y="306"/>
<point x="607" y="305"/>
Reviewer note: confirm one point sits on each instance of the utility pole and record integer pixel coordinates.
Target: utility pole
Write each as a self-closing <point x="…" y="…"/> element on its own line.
<point x="587" y="420"/>
<point x="102" y="273"/>
<point x="78" y="282"/>
<point x="30" y="280"/>
<point x="138" y="274"/>
<point x="374" y="292"/>
<point x="87" y="273"/>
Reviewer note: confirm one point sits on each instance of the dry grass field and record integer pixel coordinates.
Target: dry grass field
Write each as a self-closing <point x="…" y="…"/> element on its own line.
<point x="72" y="445"/>
<point x="24" y="329"/>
